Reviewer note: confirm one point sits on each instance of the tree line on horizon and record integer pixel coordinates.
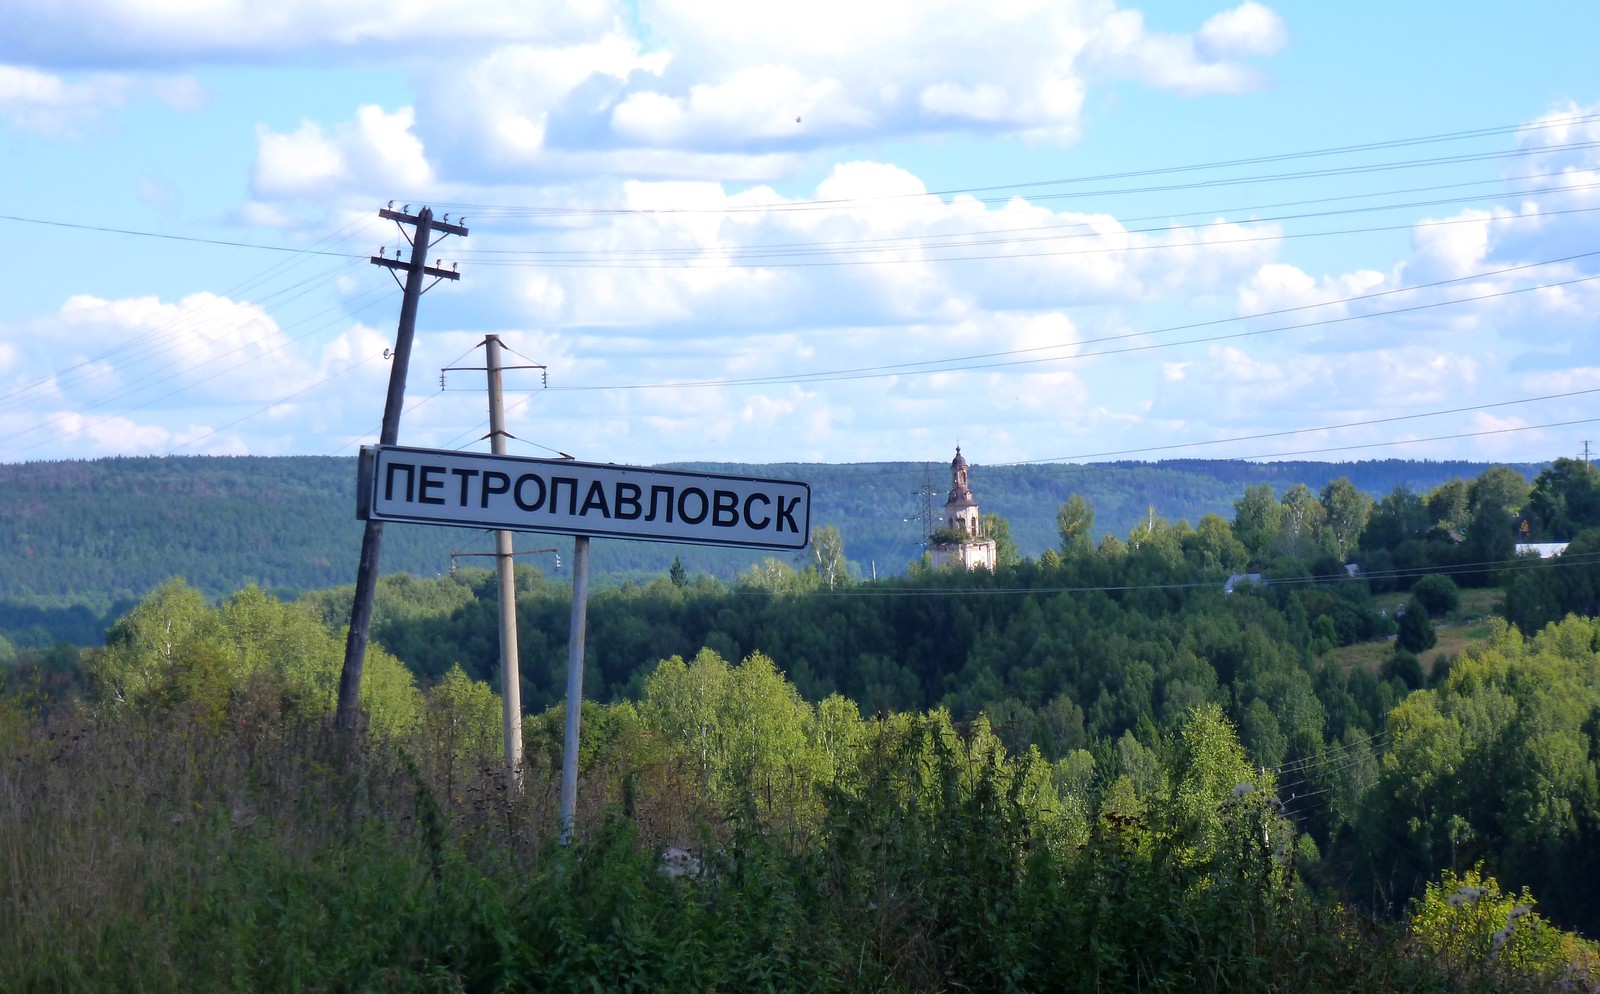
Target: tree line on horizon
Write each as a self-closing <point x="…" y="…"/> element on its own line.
<point x="93" y="537"/>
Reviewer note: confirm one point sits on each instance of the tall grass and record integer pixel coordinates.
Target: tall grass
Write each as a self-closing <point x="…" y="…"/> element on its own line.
<point x="250" y="848"/>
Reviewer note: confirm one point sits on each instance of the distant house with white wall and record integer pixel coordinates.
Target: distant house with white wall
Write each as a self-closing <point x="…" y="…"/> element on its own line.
<point x="1238" y="580"/>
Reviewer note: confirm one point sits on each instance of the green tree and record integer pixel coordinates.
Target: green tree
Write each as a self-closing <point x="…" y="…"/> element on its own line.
<point x="1346" y="510"/>
<point x="1301" y="523"/>
<point x="1399" y="518"/>
<point x="1159" y="540"/>
<point x="465" y="720"/>
<point x="1449" y="504"/>
<point x="1543" y="592"/>
<point x="1416" y="628"/>
<point x="1565" y="500"/>
<point x="1405" y="667"/>
<point x="775" y="576"/>
<point x="1490" y="535"/>
<point x="1214" y="547"/>
<point x="1497" y="761"/>
<point x="145" y="647"/>
<point x="1256" y="519"/>
<point x="1005" y="547"/>
<point x="172" y="648"/>
<point x="827" y="555"/>
<point x="1075" y="525"/>
<point x="677" y="574"/>
<point x="745" y="727"/>
<point x="1111" y="548"/>
<point x="1500" y="489"/>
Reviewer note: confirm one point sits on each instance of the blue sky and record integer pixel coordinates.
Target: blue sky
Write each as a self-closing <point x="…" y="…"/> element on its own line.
<point x="1058" y="230"/>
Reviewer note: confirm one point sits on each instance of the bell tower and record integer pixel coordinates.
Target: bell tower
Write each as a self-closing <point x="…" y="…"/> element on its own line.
<point x="960" y="539"/>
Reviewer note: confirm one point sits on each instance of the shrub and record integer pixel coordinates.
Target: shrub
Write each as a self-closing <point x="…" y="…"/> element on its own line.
<point x="1405" y="666"/>
<point x="1438" y="593"/>
<point x="1416" y="629"/>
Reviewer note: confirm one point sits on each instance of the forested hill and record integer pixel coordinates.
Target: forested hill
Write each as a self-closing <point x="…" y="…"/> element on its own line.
<point x="85" y="539"/>
<point x="878" y="508"/>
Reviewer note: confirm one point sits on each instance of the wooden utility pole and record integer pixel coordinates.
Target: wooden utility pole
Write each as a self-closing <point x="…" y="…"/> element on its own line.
<point x="417" y="270"/>
<point x="510" y="670"/>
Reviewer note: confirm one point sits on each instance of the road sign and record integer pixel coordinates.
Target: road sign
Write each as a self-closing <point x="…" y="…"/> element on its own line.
<point x="565" y="497"/>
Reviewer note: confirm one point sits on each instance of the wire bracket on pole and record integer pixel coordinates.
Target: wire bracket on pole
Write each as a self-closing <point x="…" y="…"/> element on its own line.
<point x="442" y="228"/>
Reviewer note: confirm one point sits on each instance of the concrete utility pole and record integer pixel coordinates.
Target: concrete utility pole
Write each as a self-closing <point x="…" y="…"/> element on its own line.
<point x="510" y="670"/>
<point x="417" y="270"/>
<point x="579" y="628"/>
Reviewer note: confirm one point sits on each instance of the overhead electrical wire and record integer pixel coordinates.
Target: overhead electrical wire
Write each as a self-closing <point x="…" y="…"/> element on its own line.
<point x="509" y="211"/>
<point x="1485" y="433"/>
<point x="1306" y="431"/>
<point x="1330" y="754"/>
<point x="861" y="246"/>
<point x="965" y="363"/>
<point x="350" y="368"/>
<point x="1467" y="569"/>
<point x="148" y="344"/>
<point x="419" y="402"/>
<point x="502" y="210"/>
<point x="782" y="255"/>
<point x="168" y="374"/>
<point x="342" y="234"/>
<point x="378" y="293"/>
<point x="1047" y="461"/>
<point x="168" y="236"/>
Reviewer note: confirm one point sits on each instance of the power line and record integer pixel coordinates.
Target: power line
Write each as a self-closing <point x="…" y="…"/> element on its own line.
<point x="1320" y="757"/>
<point x="147" y="344"/>
<point x="912" y="368"/>
<point x="1415" y="441"/>
<point x="780" y="254"/>
<point x="1305" y="431"/>
<point x="1046" y="462"/>
<point x="342" y="234"/>
<point x="1544" y="124"/>
<point x="1465" y="569"/>
<point x="134" y="389"/>
<point x="326" y="379"/>
<point x="737" y="260"/>
<point x="178" y="238"/>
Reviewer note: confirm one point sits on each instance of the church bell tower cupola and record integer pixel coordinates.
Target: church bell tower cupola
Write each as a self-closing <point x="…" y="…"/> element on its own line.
<point x="960" y="509"/>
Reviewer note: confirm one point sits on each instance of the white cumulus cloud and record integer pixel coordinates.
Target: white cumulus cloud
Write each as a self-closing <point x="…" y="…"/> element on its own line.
<point x="140" y="33"/>
<point x="376" y="152"/>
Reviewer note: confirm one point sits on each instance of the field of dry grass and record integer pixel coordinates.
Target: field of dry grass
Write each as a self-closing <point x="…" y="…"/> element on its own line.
<point x="1467" y="625"/>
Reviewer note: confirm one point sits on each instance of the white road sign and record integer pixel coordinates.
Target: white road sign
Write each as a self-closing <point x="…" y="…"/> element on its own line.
<point x="474" y="489"/>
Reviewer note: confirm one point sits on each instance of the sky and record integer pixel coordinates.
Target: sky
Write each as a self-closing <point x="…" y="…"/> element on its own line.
<point x="1045" y="230"/>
